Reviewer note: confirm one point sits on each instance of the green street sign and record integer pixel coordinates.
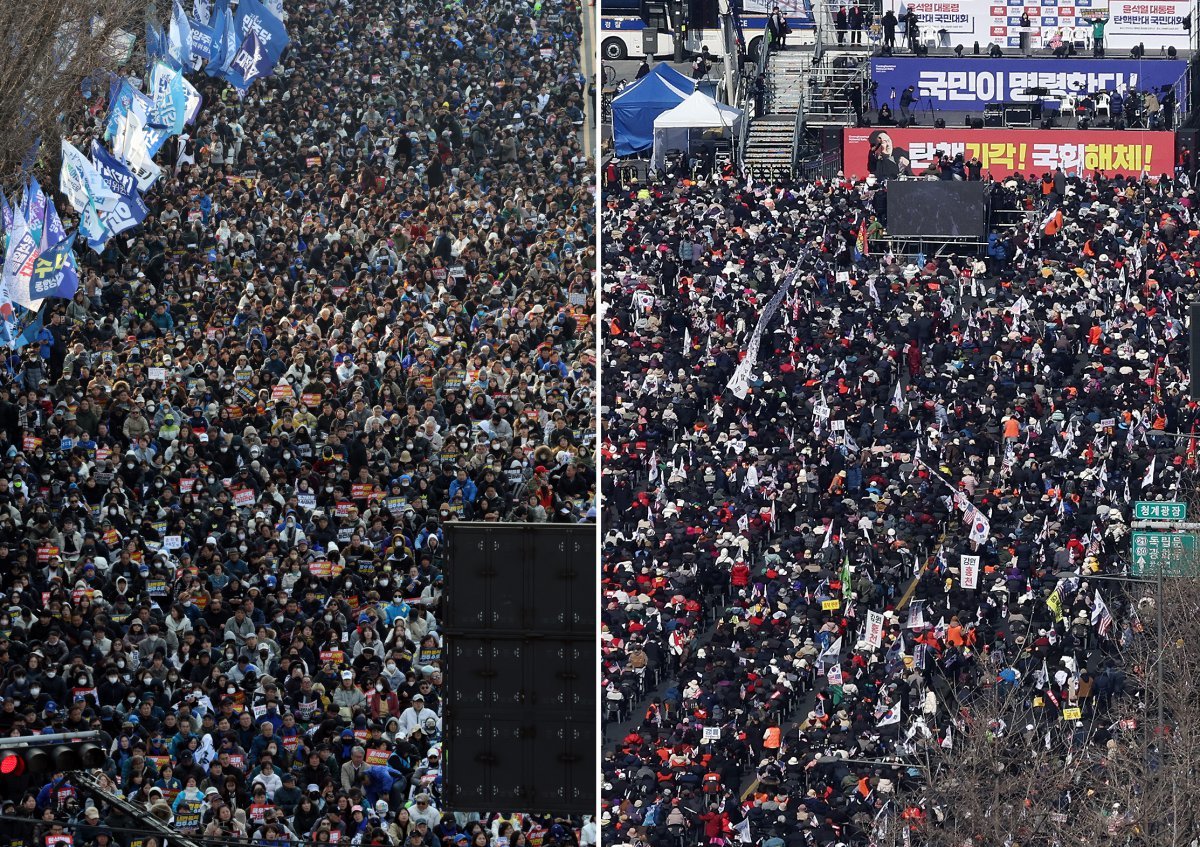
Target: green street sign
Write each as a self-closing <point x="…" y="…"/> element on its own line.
<point x="1167" y="511"/>
<point x="1173" y="552"/>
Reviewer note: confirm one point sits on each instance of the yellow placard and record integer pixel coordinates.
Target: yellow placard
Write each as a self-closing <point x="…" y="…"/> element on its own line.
<point x="831" y="605"/>
<point x="1072" y="713"/>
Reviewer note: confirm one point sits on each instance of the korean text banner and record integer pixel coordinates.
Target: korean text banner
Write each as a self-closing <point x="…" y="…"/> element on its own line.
<point x="1004" y="152"/>
<point x="967" y="86"/>
<point x="1157" y="24"/>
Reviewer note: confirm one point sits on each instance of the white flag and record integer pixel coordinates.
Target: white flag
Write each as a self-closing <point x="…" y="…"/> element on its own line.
<point x="891" y="716"/>
<point x="81" y="182"/>
<point x="916" y="615"/>
<point x="1102" y="618"/>
<point x="742" y="828"/>
<point x="1148" y="479"/>
<point x="832" y="653"/>
<point x="981" y="528"/>
<point x="828" y="542"/>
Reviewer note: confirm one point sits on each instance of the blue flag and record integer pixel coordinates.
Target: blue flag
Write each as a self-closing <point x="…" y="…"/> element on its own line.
<point x="179" y="37"/>
<point x="249" y="63"/>
<point x="27" y="336"/>
<point x="202" y="41"/>
<point x="225" y="40"/>
<point x="35" y="211"/>
<point x="253" y="16"/>
<point x="131" y="210"/>
<point x="18" y="265"/>
<point x="55" y="274"/>
<point x="53" y="232"/>
<point x="6" y="211"/>
<point x="156" y="39"/>
<point x="169" y="102"/>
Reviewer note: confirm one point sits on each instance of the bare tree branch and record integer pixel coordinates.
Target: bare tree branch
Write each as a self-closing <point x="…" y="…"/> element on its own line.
<point x="51" y="47"/>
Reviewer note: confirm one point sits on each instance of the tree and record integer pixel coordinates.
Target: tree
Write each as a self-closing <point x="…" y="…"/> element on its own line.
<point x="51" y="47"/>
<point x="1022" y="767"/>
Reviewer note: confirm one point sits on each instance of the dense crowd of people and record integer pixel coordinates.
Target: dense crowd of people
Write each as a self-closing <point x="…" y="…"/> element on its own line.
<point x="362" y="308"/>
<point x="807" y="442"/>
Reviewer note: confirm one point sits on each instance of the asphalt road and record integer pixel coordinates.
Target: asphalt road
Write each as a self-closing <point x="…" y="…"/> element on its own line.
<point x="627" y="68"/>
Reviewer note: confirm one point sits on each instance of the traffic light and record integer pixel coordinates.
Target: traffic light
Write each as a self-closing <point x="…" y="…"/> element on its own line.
<point x="38" y="761"/>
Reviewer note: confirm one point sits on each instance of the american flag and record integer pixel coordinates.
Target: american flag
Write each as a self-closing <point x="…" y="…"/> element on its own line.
<point x="1102" y="618"/>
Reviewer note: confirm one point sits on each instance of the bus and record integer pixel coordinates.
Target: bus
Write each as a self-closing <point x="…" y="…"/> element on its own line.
<point x="634" y="29"/>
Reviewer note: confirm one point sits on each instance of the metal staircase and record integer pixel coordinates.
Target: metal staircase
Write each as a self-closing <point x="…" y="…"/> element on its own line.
<point x="830" y="81"/>
<point x="769" y="144"/>
<point x="807" y="85"/>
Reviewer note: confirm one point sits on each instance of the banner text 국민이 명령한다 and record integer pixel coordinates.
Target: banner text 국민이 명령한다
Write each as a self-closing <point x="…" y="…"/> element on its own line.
<point x="954" y="85"/>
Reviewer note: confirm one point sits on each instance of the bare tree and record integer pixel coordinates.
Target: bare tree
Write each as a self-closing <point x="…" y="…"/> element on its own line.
<point x="50" y="47"/>
<point x="1024" y="768"/>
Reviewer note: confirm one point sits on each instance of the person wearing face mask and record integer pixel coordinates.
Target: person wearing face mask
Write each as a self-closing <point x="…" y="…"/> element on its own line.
<point x="112" y="690"/>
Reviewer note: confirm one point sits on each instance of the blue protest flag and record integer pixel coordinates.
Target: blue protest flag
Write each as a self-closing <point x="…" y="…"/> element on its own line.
<point x="130" y="210"/>
<point x="156" y="39"/>
<point x="55" y="274"/>
<point x="250" y="62"/>
<point x="272" y="37"/>
<point x="35" y="213"/>
<point x="203" y="42"/>
<point x="179" y="36"/>
<point x="26" y="336"/>
<point x="53" y="232"/>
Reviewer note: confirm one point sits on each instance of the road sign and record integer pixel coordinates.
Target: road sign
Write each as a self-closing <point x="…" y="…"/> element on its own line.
<point x="1174" y="552"/>
<point x="1166" y="511"/>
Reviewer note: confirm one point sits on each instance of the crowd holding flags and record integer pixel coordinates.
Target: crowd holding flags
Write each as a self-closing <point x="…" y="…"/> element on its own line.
<point x="105" y="190"/>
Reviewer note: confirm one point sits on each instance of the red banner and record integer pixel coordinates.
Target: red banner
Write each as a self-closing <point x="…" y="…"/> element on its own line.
<point x="1004" y="152"/>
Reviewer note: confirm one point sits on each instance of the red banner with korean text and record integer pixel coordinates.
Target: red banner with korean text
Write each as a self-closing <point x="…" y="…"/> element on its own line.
<point x="885" y="151"/>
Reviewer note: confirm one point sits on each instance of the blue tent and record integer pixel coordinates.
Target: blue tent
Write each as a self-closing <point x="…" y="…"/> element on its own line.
<point x="635" y="109"/>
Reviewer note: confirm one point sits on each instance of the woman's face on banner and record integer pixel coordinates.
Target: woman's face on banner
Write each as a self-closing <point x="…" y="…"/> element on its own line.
<point x="885" y="144"/>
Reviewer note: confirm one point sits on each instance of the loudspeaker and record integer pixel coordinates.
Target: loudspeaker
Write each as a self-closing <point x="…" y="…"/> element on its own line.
<point x="1194" y="349"/>
<point x="976" y="123"/>
<point x="536" y="673"/>
<point x="506" y="759"/>
<point x="521" y="671"/>
<point x="831" y="139"/>
<point x="518" y="579"/>
<point x="1187" y="149"/>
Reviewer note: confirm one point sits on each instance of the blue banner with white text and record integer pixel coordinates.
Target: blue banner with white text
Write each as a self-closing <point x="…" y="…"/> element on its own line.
<point x="969" y="84"/>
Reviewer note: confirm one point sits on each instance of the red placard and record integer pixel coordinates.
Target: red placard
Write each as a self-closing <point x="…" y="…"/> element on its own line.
<point x="377" y="757"/>
<point x="1004" y="152"/>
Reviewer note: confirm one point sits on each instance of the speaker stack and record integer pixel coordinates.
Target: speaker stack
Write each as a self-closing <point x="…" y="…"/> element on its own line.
<point x="520" y="716"/>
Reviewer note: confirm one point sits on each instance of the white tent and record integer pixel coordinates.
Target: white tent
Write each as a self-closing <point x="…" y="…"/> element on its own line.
<point x="698" y="113"/>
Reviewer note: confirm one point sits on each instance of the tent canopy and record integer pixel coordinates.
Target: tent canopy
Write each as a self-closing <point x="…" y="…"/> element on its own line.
<point x="635" y="108"/>
<point x="673" y="128"/>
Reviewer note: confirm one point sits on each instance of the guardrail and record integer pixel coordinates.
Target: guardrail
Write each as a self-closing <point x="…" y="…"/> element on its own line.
<point x="747" y="101"/>
<point x="798" y="127"/>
